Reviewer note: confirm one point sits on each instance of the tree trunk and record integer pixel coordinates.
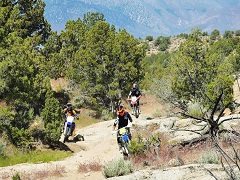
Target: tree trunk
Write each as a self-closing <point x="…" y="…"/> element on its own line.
<point x="213" y="130"/>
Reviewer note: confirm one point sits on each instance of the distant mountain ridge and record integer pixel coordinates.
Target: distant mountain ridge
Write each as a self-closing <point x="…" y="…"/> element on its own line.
<point x="156" y="18"/>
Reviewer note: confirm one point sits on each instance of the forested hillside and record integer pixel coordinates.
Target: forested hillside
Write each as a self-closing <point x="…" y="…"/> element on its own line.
<point x="98" y="61"/>
<point x="101" y="64"/>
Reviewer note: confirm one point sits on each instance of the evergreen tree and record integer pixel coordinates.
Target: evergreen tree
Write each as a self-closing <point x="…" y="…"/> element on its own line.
<point x="149" y="38"/>
<point x="91" y="18"/>
<point x="215" y="33"/>
<point x="26" y="18"/>
<point x="199" y="76"/>
<point x="19" y="72"/>
<point x="59" y="50"/>
<point x="22" y="29"/>
<point x="107" y="63"/>
<point x="237" y="32"/>
<point x="52" y="117"/>
<point x="228" y="34"/>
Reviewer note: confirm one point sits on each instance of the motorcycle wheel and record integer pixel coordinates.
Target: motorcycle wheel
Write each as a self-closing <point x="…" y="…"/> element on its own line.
<point x="125" y="152"/>
<point x="134" y="111"/>
<point x="137" y="112"/>
<point x="66" y="135"/>
<point x="125" y="156"/>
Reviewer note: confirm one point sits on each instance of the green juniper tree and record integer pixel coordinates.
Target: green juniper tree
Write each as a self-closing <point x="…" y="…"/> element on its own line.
<point x="200" y="76"/>
<point x="23" y="29"/>
<point x="52" y="117"/>
<point x="26" y="18"/>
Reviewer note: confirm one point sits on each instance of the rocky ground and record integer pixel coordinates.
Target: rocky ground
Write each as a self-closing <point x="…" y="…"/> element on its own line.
<point x="100" y="147"/>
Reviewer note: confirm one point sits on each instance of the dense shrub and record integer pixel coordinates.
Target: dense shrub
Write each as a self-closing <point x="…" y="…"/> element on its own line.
<point x="106" y="115"/>
<point x="215" y="33"/>
<point x="137" y="145"/>
<point x="210" y="157"/>
<point x="118" y="167"/>
<point x="149" y="38"/>
<point x="237" y="32"/>
<point x="195" y="109"/>
<point x="205" y="33"/>
<point x="228" y="34"/>
<point x="183" y="35"/>
<point x="162" y="43"/>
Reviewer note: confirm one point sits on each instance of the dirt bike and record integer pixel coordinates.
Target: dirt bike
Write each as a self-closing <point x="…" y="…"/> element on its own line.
<point x="124" y="137"/>
<point x="68" y="127"/>
<point x="134" y="105"/>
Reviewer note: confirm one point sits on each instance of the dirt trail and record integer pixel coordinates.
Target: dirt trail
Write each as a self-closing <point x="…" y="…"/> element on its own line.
<point x="99" y="146"/>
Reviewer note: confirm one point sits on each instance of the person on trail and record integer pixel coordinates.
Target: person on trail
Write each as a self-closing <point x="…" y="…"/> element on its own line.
<point x="122" y="120"/>
<point x="69" y="111"/>
<point x="135" y="92"/>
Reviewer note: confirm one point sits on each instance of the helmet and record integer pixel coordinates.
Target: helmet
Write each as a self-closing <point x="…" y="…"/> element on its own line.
<point x="69" y="104"/>
<point x="135" y="86"/>
<point x="121" y="110"/>
<point x="69" y="108"/>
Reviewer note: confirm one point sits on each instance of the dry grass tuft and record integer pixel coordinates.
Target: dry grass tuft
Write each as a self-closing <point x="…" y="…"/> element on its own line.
<point x="58" y="171"/>
<point x="90" y="166"/>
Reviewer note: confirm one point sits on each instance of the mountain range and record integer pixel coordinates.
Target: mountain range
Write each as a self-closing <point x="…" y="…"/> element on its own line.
<point x="155" y="18"/>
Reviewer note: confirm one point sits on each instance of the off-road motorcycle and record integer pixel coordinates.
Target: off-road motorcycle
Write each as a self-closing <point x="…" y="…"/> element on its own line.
<point x="69" y="126"/>
<point x="134" y="105"/>
<point x="125" y="139"/>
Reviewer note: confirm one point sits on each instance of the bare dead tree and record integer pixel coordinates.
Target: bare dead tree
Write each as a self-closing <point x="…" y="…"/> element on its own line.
<point x="230" y="163"/>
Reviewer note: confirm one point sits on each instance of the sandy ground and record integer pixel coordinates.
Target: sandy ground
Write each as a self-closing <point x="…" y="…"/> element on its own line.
<point x="100" y="146"/>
